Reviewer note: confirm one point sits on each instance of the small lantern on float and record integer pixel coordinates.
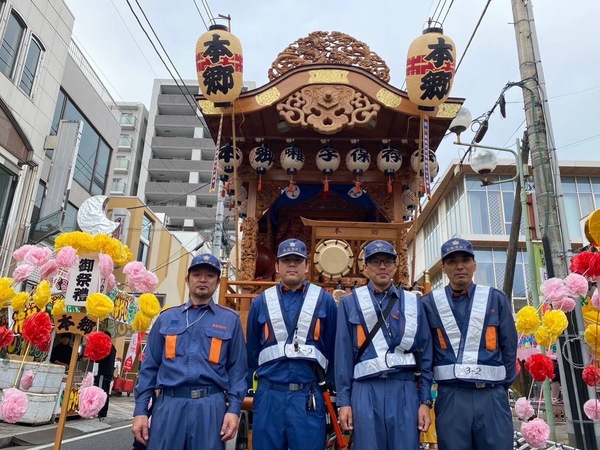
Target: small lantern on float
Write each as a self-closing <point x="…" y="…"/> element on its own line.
<point x="328" y="161"/>
<point x="409" y="199"/>
<point x="417" y="187"/>
<point x="219" y="65"/>
<point x="242" y="195"/>
<point x="417" y="162"/>
<point x="292" y="160"/>
<point x="227" y="163"/>
<point x="358" y="161"/>
<point x="261" y="160"/>
<point x="389" y="161"/>
<point x="430" y="67"/>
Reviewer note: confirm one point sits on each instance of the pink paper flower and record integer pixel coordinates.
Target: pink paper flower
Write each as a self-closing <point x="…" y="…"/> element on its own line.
<point x="596" y="299"/>
<point x="111" y="282"/>
<point x="87" y="381"/>
<point x="576" y="285"/>
<point x="148" y="284"/>
<point x="91" y="400"/>
<point x="523" y="409"/>
<point x="49" y="270"/>
<point x="553" y="289"/>
<point x="38" y="256"/>
<point x="27" y="380"/>
<point x="19" y="254"/>
<point x="592" y="409"/>
<point x="66" y="257"/>
<point x="22" y="272"/>
<point x="135" y="271"/>
<point x="106" y="265"/>
<point x="566" y="304"/>
<point x="14" y="405"/>
<point x="536" y="432"/>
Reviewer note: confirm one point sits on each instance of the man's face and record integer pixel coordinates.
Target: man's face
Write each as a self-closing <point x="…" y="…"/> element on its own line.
<point x="380" y="268"/>
<point x="459" y="268"/>
<point x="292" y="270"/>
<point x="202" y="282"/>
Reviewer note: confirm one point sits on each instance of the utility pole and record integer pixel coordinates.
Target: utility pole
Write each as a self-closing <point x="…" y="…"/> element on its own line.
<point x="552" y="223"/>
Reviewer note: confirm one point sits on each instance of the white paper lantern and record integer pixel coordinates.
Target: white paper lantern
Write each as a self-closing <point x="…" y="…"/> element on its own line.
<point x="292" y="160"/>
<point x="416" y="161"/>
<point x="358" y="160"/>
<point x="409" y="199"/>
<point x="389" y="160"/>
<point x="227" y="160"/>
<point x="261" y="159"/>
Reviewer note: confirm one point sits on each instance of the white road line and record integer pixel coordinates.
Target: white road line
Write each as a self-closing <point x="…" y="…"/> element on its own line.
<point x="83" y="436"/>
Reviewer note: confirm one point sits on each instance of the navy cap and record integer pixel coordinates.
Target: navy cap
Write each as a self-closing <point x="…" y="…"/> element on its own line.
<point x="291" y="247"/>
<point x="457" y="245"/>
<point x="205" y="260"/>
<point x="375" y="247"/>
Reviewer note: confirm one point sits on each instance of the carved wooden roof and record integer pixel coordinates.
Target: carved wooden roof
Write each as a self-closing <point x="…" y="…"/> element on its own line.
<point x="323" y="47"/>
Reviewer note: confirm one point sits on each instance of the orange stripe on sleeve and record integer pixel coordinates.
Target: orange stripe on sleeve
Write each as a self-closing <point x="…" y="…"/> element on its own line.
<point x="266" y="331"/>
<point x="441" y="338"/>
<point x="360" y="335"/>
<point x="170" y="346"/>
<point x="317" y="333"/>
<point x="215" y="350"/>
<point x="491" y="339"/>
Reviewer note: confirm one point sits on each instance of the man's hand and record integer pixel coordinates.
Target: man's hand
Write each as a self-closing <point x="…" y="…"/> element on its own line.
<point x="424" y="418"/>
<point x="140" y="429"/>
<point x="345" y="416"/>
<point x="230" y="425"/>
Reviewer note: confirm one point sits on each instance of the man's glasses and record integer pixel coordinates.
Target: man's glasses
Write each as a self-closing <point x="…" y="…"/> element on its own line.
<point x="388" y="262"/>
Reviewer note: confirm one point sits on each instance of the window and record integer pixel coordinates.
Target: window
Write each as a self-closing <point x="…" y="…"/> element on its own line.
<point x="37" y="205"/>
<point x="145" y="238"/>
<point x="11" y="41"/>
<point x="8" y="183"/>
<point x="70" y="222"/>
<point x="431" y="231"/>
<point x="127" y="119"/>
<point x="34" y="54"/>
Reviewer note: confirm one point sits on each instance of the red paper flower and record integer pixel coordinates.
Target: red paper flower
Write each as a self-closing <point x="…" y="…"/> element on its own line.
<point x="580" y="263"/>
<point x="6" y="337"/>
<point x="591" y="375"/>
<point x="37" y="329"/>
<point x="540" y="366"/>
<point x="594" y="268"/>
<point x="97" y="346"/>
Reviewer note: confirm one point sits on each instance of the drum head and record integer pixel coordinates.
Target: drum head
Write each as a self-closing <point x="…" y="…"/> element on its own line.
<point x="333" y="258"/>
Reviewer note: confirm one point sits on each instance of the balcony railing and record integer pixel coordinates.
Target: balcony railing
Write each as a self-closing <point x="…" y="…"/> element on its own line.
<point x="122" y="164"/>
<point x="125" y="143"/>
<point x="118" y="187"/>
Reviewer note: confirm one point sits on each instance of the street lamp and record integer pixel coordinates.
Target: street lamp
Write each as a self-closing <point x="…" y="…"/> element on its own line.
<point x="483" y="161"/>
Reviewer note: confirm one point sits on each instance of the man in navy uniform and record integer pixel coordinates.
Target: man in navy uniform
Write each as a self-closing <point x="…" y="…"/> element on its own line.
<point x="475" y="353"/>
<point x="195" y="360"/>
<point x="291" y="337"/>
<point x="377" y="392"/>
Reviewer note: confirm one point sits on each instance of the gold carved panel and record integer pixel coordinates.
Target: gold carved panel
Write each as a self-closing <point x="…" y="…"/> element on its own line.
<point x="328" y="76"/>
<point x="268" y="97"/>
<point x="388" y="98"/>
<point x="328" y="109"/>
<point x="448" y="110"/>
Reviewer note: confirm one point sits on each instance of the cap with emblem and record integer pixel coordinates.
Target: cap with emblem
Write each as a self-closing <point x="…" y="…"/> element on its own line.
<point x="291" y="247"/>
<point x="457" y="245"/>
<point x="375" y="247"/>
<point x="205" y="260"/>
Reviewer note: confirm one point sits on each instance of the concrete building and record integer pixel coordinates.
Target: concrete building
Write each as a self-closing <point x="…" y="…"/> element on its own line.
<point x="461" y="207"/>
<point x="179" y="160"/>
<point x="133" y="118"/>
<point x="35" y="36"/>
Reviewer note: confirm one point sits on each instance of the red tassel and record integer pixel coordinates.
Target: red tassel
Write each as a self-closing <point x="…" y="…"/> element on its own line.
<point x="259" y="183"/>
<point x="390" y="188"/>
<point x="291" y="187"/>
<point x="326" y="188"/>
<point x="357" y="187"/>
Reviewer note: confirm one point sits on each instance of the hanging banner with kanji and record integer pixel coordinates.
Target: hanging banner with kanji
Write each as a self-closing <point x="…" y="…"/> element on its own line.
<point x="84" y="279"/>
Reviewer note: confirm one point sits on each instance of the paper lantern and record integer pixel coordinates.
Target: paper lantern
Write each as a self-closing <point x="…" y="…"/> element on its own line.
<point x="328" y="161"/>
<point x="430" y="67"/>
<point x="358" y="161"/>
<point x="227" y="163"/>
<point x="417" y="162"/>
<point x="417" y="187"/>
<point x="409" y="199"/>
<point x="389" y="161"/>
<point x="292" y="160"/>
<point x="261" y="160"/>
<point x="219" y="65"/>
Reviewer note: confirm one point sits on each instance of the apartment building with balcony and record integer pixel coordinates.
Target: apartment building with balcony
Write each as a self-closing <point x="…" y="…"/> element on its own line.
<point x="34" y="45"/>
<point x="179" y="160"/>
<point x="133" y="118"/>
<point x="462" y="207"/>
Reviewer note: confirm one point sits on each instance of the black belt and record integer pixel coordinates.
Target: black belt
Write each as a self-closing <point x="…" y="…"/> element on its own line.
<point x="403" y="376"/>
<point x="471" y="385"/>
<point x="285" y="386"/>
<point x="191" y="392"/>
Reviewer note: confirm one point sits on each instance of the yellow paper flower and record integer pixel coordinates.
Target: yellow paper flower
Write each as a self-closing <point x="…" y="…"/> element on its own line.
<point x="592" y="337"/>
<point x="82" y="242"/>
<point x="6" y="290"/>
<point x="19" y="301"/>
<point x="141" y="322"/>
<point x="544" y="337"/>
<point x="528" y="320"/>
<point x="42" y="294"/>
<point x="99" y="306"/>
<point x="149" y="304"/>
<point x="556" y="321"/>
<point x="58" y="309"/>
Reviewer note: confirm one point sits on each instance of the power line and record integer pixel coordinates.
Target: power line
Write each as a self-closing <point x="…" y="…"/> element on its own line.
<point x="473" y="34"/>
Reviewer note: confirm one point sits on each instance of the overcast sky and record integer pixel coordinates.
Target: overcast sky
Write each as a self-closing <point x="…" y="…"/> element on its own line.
<point x="568" y="37"/>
